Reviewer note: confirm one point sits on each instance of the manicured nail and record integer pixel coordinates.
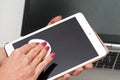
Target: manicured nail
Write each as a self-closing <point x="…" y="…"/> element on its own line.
<point x="47" y="48"/>
<point x="37" y="43"/>
<point x="44" y="43"/>
<point x="52" y="55"/>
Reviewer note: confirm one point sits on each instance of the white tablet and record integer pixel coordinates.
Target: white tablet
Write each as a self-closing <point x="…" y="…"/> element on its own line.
<point x="72" y="39"/>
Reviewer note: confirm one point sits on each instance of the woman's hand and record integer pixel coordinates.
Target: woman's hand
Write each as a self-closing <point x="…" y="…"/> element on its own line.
<point x="26" y="62"/>
<point x="77" y="71"/>
<point x="3" y="55"/>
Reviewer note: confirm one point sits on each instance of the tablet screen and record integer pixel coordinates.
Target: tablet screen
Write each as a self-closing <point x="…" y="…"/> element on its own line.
<point x="69" y="42"/>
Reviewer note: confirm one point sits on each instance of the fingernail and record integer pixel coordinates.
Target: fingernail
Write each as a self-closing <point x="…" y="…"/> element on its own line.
<point x="52" y="55"/>
<point x="44" y="43"/>
<point x="47" y="48"/>
<point x="37" y="43"/>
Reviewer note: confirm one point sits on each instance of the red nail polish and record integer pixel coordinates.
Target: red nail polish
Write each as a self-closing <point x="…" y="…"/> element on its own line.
<point x="47" y="48"/>
<point x="52" y="55"/>
<point x="37" y="43"/>
<point x="44" y="43"/>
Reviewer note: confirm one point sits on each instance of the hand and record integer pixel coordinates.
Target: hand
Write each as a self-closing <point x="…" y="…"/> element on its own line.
<point x="26" y="62"/>
<point x="77" y="71"/>
<point x="3" y="55"/>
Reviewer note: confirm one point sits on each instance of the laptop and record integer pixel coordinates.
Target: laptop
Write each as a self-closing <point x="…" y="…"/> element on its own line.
<point x="102" y="15"/>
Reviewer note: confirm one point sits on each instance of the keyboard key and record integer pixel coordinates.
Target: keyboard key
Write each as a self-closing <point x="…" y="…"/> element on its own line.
<point x="108" y="66"/>
<point x="117" y="65"/>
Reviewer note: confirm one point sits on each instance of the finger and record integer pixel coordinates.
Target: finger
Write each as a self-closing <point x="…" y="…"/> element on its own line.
<point x="35" y="51"/>
<point x="24" y="49"/>
<point x="88" y="66"/>
<point x="3" y="55"/>
<point x="56" y="19"/>
<point x="41" y="66"/>
<point x="40" y="56"/>
<point x="77" y="71"/>
<point x="65" y="77"/>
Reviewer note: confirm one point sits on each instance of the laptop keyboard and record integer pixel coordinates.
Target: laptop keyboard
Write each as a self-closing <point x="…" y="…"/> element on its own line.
<point x="111" y="61"/>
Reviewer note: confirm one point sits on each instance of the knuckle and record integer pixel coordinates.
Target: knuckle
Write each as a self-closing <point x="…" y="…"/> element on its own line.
<point x="17" y="51"/>
<point x="43" y="64"/>
<point x="34" y="50"/>
<point x="27" y="60"/>
<point x="38" y="58"/>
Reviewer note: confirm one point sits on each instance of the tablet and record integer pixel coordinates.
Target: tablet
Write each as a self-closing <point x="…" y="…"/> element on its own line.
<point x="72" y="39"/>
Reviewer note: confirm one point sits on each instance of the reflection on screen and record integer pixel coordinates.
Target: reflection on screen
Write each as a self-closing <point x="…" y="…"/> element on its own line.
<point x="69" y="42"/>
<point x="103" y="15"/>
